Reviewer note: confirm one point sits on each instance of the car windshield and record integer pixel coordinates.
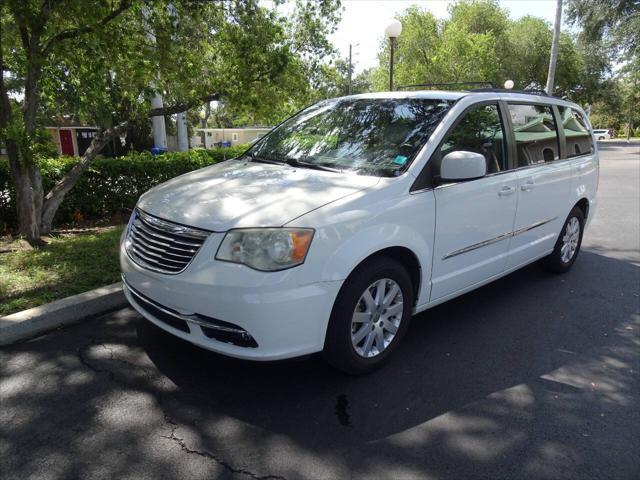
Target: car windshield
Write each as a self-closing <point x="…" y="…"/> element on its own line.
<point x="368" y="136"/>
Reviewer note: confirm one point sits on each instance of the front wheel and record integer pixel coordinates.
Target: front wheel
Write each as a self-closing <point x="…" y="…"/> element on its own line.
<point x="568" y="244"/>
<point x="370" y="316"/>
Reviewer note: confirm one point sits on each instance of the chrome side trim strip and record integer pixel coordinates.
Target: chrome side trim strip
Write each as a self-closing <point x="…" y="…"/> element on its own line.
<point x="532" y="226"/>
<point x="499" y="238"/>
<point x="475" y="246"/>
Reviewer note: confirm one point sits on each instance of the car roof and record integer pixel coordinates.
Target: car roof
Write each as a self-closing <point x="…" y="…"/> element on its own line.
<point x="457" y="95"/>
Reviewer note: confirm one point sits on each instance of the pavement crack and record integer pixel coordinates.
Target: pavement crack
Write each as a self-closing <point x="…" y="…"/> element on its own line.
<point x="174" y="426"/>
<point x="205" y="454"/>
<point x="94" y="343"/>
<point x="84" y="361"/>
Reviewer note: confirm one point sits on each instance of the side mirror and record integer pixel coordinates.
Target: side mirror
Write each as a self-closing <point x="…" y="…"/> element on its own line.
<point x="463" y="165"/>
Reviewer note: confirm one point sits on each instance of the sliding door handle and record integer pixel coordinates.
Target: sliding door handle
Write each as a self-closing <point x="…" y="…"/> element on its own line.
<point x="505" y="191"/>
<point x="528" y="186"/>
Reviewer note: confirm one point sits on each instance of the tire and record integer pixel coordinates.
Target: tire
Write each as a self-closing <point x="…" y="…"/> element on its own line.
<point x="561" y="261"/>
<point x="600" y="138"/>
<point x="339" y="348"/>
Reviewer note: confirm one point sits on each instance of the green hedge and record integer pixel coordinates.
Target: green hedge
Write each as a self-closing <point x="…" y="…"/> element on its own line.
<point x="111" y="185"/>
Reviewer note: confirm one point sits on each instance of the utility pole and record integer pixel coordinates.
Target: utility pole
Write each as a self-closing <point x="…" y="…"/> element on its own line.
<point x="555" y="44"/>
<point x="350" y="67"/>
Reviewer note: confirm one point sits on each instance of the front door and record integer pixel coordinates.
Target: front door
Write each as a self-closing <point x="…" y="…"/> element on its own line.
<point x="474" y="219"/>
<point x="66" y="142"/>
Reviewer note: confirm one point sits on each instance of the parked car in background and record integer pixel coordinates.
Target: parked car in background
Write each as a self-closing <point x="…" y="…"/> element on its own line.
<point x="602" y="133"/>
<point x="343" y="222"/>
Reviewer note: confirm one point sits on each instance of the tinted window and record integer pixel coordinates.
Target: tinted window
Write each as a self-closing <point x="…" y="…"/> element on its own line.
<point x="479" y="131"/>
<point x="535" y="133"/>
<point x="576" y="132"/>
<point x="369" y="136"/>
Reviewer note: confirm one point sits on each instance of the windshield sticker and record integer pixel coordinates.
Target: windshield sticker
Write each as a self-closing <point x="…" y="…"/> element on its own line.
<point x="400" y="160"/>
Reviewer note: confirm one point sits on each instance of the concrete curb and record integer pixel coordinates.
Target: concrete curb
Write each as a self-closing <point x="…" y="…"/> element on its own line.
<point x="32" y="322"/>
<point x="618" y="143"/>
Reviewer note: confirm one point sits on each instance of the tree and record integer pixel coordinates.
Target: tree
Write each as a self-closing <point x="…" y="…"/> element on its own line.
<point x="617" y="22"/>
<point x="611" y="29"/>
<point x="478" y="42"/>
<point x="97" y="60"/>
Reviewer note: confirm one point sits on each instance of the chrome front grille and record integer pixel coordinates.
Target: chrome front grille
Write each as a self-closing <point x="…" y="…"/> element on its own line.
<point x="161" y="245"/>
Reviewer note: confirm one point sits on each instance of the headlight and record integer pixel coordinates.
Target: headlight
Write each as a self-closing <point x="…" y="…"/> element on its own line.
<point x="267" y="249"/>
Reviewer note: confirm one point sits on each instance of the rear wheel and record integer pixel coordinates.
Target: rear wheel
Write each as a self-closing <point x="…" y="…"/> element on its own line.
<point x="568" y="244"/>
<point x="370" y="316"/>
<point x="600" y="138"/>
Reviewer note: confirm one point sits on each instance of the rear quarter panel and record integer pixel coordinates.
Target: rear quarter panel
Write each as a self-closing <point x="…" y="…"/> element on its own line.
<point x="585" y="177"/>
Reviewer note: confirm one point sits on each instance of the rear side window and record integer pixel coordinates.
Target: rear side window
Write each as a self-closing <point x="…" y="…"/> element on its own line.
<point x="479" y="131"/>
<point x="576" y="132"/>
<point x="535" y="134"/>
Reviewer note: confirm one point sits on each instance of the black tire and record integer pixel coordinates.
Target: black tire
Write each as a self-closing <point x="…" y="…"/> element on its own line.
<point x="338" y="348"/>
<point x="554" y="262"/>
<point x="600" y="138"/>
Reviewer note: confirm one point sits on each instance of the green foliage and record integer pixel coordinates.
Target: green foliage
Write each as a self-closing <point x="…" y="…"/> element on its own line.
<point x="68" y="265"/>
<point x="243" y="50"/>
<point x="612" y="23"/>
<point x="478" y="43"/>
<point x="111" y="185"/>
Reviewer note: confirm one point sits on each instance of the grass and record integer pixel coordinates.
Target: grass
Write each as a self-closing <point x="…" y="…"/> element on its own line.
<point x="73" y="262"/>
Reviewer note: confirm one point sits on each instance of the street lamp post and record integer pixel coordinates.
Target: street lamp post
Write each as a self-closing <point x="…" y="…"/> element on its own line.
<point x="393" y="31"/>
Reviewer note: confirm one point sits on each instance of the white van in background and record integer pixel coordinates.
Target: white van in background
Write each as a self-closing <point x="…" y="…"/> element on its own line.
<point x="602" y="134"/>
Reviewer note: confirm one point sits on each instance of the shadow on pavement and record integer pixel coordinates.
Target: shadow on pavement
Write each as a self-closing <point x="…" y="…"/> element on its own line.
<point x="533" y="376"/>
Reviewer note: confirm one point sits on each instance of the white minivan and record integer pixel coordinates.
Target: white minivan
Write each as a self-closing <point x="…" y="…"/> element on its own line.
<point x="602" y="134"/>
<point x="355" y="214"/>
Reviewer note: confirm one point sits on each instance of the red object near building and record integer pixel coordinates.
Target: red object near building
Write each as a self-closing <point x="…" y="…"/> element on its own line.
<point x="66" y="142"/>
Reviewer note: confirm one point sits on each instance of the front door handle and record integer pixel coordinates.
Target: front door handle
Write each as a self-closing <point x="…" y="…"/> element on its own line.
<point x="528" y="186"/>
<point x="506" y="190"/>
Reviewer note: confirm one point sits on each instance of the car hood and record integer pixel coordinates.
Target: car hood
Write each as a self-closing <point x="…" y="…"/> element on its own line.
<point x="239" y="193"/>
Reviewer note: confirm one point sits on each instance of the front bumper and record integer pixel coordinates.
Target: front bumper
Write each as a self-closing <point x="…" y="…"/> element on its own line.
<point x="284" y="312"/>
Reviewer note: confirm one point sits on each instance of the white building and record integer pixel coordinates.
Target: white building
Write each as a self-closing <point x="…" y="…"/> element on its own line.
<point x="235" y="136"/>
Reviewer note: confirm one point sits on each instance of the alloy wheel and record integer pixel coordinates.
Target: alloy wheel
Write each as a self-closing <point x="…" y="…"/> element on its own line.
<point x="376" y="318"/>
<point x="570" y="240"/>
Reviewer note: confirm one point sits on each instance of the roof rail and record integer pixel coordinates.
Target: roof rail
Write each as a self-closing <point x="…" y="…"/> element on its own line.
<point x="532" y="91"/>
<point x="451" y="84"/>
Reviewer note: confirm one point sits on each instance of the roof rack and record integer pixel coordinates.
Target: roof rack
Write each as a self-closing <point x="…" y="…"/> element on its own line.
<point x="532" y="91"/>
<point x="451" y="84"/>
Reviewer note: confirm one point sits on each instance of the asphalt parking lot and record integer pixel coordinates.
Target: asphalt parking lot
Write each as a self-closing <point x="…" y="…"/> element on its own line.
<point x="534" y="377"/>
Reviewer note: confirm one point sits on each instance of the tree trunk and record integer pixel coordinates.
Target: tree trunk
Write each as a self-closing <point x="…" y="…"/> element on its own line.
<point x="28" y="187"/>
<point x="25" y="177"/>
<point x="55" y="197"/>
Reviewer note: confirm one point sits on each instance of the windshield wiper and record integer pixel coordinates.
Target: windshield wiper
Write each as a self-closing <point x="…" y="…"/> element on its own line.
<point x="293" y="163"/>
<point x="297" y="163"/>
<point x="264" y="160"/>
